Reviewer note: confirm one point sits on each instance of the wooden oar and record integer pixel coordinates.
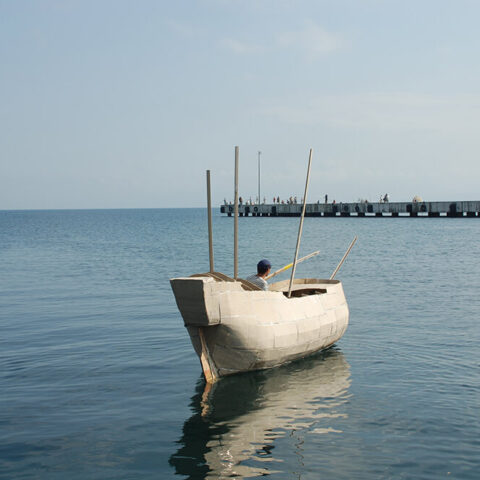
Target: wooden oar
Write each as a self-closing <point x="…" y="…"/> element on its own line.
<point x="343" y="258"/>
<point x="290" y="265"/>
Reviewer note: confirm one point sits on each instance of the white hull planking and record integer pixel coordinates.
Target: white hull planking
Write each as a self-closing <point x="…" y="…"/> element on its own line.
<point x="250" y="330"/>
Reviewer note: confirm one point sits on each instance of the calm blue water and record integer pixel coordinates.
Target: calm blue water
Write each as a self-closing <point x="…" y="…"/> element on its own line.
<point x="98" y="379"/>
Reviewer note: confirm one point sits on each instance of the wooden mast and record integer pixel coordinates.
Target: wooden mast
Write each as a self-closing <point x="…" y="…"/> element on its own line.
<point x="235" y="227"/>
<point x="208" y="367"/>
<point x="301" y="225"/>
<point x="210" y="234"/>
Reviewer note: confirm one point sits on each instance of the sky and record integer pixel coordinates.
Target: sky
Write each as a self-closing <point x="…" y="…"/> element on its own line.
<point x="122" y="104"/>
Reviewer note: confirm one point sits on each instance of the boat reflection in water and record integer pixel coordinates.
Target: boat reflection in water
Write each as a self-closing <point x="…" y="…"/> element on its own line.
<point x="237" y="421"/>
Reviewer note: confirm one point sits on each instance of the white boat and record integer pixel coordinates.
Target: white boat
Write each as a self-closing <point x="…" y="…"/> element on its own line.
<point x="236" y="327"/>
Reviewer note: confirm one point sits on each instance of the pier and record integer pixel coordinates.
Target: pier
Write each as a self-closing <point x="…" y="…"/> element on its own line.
<point x="362" y="210"/>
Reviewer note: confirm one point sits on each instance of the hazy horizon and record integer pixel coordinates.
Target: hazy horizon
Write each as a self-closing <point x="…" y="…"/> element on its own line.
<point x="120" y="105"/>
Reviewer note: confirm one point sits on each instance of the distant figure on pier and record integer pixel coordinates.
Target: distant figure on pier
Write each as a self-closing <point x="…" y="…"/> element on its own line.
<point x="240" y="200"/>
<point x="334" y="202"/>
<point x="225" y="201"/>
<point x="274" y="199"/>
<point x="278" y="199"/>
<point x="385" y="198"/>
<point x="263" y="269"/>
<point x="295" y="199"/>
<point x="326" y="198"/>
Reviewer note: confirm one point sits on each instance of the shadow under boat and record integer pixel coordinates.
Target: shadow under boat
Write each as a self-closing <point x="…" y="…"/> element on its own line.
<point x="236" y="421"/>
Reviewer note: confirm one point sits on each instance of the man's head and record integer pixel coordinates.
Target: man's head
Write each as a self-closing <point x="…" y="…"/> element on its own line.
<point x="263" y="266"/>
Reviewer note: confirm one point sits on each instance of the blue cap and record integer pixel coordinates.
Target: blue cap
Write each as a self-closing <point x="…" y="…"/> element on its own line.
<point x="263" y="266"/>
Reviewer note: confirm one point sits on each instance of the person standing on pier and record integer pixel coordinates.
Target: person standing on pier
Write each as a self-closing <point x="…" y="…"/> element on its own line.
<point x="263" y="269"/>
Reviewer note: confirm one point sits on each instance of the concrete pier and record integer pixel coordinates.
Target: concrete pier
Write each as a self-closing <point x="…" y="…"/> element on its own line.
<point x="362" y="210"/>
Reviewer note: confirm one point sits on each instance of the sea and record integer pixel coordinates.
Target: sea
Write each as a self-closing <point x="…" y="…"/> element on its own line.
<point x="98" y="378"/>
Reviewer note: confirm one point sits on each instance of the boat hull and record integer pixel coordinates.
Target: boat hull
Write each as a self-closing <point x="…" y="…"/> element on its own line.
<point x="251" y="330"/>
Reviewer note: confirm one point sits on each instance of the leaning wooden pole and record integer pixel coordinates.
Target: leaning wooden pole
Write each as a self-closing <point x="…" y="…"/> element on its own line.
<point x="210" y="234"/>
<point x="343" y="258"/>
<point x="301" y="225"/>
<point x="290" y="265"/>
<point x="235" y="227"/>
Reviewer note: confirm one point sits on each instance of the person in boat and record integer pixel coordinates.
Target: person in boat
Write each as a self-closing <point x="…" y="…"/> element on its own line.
<point x="263" y="270"/>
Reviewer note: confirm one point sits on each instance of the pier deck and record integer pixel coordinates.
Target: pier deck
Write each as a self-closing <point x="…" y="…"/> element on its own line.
<point x="387" y="209"/>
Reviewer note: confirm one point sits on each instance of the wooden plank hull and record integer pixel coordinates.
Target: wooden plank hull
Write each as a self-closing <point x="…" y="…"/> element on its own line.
<point x="238" y="330"/>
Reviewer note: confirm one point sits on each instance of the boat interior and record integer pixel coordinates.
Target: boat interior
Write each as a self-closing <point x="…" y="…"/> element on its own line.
<point x="301" y="287"/>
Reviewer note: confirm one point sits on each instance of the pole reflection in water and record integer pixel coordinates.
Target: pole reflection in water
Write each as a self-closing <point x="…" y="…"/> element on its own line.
<point x="237" y="421"/>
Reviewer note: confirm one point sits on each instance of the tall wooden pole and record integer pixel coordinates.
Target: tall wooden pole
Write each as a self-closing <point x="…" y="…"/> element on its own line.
<point x="210" y="234"/>
<point x="235" y="228"/>
<point x="301" y="225"/>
